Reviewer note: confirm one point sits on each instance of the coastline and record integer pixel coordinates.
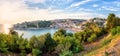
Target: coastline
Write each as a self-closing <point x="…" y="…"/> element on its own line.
<point x="71" y="29"/>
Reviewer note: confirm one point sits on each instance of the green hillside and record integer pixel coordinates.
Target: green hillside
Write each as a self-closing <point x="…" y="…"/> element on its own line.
<point x="108" y="46"/>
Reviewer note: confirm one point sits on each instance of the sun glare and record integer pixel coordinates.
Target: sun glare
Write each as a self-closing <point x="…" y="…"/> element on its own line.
<point x="6" y="28"/>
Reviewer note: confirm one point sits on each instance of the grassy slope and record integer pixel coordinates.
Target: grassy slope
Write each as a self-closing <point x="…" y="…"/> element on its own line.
<point x="109" y="45"/>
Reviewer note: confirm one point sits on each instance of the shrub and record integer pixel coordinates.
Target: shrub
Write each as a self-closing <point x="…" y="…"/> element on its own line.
<point x="3" y="43"/>
<point x="77" y="48"/>
<point x="118" y="29"/>
<point x="92" y="38"/>
<point x="66" y="53"/>
<point x="114" y="31"/>
<point x="36" y="52"/>
<point x="3" y="48"/>
<point x="106" y="41"/>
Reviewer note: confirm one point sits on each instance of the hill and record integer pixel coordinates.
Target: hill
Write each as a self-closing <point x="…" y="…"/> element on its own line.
<point x="108" y="46"/>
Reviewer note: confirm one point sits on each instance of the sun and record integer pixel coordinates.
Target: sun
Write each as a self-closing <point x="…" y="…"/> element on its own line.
<point x="6" y="28"/>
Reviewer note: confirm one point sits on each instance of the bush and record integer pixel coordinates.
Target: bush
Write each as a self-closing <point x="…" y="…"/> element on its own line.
<point x="118" y="29"/>
<point x="3" y="43"/>
<point x="23" y="53"/>
<point x="66" y="46"/>
<point x="106" y="41"/>
<point x="3" y="48"/>
<point x="77" y="48"/>
<point x="114" y="31"/>
<point x="92" y="38"/>
<point x="49" y="43"/>
<point x="36" y="52"/>
<point x="66" y="53"/>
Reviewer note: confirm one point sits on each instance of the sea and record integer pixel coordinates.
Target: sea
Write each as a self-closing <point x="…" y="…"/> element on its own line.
<point x="28" y="33"/>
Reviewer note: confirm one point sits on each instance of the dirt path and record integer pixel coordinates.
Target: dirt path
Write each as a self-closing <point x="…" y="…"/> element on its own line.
<point x="90" y="46"/>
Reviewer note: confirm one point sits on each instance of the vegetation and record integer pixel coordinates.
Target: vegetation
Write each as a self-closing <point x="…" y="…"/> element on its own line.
<point x="90" y="34"/>
<point x="66" y="42"/>
<point x="108" y="45"/>
<point x="66" y="53"/>
<point x="36" y="24"/>
<point x="112" y="21"/>
<point x="115" y="30"/>
<point x="44" y="23"/>
<point x="61" y="43"/>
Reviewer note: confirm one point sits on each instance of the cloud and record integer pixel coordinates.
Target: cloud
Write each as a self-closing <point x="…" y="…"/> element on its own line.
<point x="60" y="2"/>
<point x="117" y="3"/>
<point x="95" y="5"/>
<point x="14" y="11"/>
<point x="9" y="10"/>
<point x="109" y="8"/>
<point x="84" y="9"/>
<point x="118" y="15"/>
<point x="36" y="1"/>
<point x="79" y="3"/>
<point x="100" y="15"/>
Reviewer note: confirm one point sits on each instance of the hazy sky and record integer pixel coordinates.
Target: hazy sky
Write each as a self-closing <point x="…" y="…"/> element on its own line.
<point x="13" y="11"/>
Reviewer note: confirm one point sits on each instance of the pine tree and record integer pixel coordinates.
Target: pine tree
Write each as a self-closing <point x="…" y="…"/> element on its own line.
<point x="111" y="21"/>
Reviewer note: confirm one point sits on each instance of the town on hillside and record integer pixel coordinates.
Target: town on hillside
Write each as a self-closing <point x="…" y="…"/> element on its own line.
<point x="72" y="24"/>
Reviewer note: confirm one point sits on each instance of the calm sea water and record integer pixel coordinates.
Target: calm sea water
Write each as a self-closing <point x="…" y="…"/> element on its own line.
<point x="29" y="33"/>
<point x="36" y="32"/>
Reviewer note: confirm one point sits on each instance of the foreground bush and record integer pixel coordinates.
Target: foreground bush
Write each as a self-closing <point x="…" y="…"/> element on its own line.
<point x="39" y="45"/>
<point x="115" y="30"/>
<point x="66" y="53"/>
<point x="92" y="38"/>
<point x="36" y="52"/>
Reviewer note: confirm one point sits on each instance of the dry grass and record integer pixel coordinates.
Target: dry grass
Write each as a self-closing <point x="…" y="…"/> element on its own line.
<point x="112" y="48"/>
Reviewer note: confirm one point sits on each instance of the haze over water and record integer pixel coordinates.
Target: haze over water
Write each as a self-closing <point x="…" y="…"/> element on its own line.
<point x="4" y="28"/>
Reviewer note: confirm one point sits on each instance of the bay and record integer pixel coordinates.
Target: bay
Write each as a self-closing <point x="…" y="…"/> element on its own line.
<point x="27" y="33"/>
<point x="37" y="32"/>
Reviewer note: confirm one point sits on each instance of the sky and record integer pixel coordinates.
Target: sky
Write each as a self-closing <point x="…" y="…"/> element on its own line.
<point x="15" y="11"/>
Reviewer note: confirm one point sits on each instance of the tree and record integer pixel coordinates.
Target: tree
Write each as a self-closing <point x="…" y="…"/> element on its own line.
<point x="58" y="34"/>
<point x="76" y="46"/>
<point x="64" y="44"/>
<point x="117" y="21"/>
<point x="23" y="46"/>
<point x="12" y="32"/>
<point x="31" y="25"/>
<point x="49" y="43"/>
<point x="79" y="36"/>
<point x="36" y="46"/>
<point x="111" y="20"/>
<point x="3" y="45"/>
<point x="34" y="42"/>
<point x="69" y="34"/>
<point x="44" y="23"/>
<point x="92" y="38"/>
